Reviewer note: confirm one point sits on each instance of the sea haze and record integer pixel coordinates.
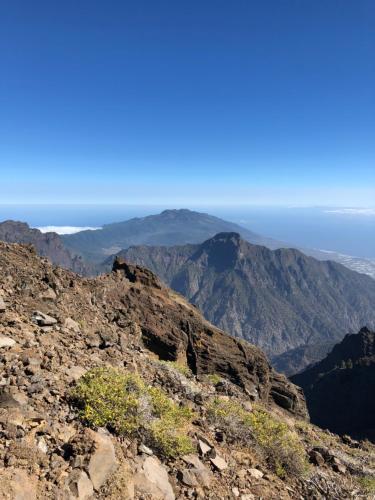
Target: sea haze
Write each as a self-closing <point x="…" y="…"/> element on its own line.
<point x="347" y="230"/>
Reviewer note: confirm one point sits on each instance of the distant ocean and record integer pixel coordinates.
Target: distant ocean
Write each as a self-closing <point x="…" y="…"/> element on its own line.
<point x="349" y="231"/>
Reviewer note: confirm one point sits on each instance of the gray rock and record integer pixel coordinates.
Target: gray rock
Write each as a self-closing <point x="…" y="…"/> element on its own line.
<point x="48" y="294"/>
<point x="80" y="485"/>
<point x="204" y="448"/>
<point x="43" y="319"/>
<point x="152" y="480"/>
<point x="75" y="372"/>
<point x="70" y="324"/>
<point x="2" y="305"/>
<point x="6" y="341"/>
<point x="219" y="463"/>
<point x="256" y="473"/>
<point x="145" y="449"/>
<point x="103" y="462"/>
<point x="198" y="475"/>
<point x="188" y="478"/>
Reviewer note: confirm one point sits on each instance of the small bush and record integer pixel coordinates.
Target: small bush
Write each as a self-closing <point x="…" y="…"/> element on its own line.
<point x="214" y="378"/>
<point x="179" y="367"/>
<point x="124" y="404"/>
<point x="273" y="438"/>
<point x="231" y="417"/>
<point x="367" y="484"/>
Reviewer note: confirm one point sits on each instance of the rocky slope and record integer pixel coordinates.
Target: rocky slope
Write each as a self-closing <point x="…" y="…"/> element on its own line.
<point x="171" y="227"/>
<point x="248" y="430"/>
<point x="340" y="389"/>
<point x="46" y="244"/>
<point x="279" y="300"/>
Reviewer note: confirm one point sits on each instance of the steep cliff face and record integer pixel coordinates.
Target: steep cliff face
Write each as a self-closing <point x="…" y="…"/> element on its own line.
<point x="46" y="244"/>
<point x="340" y="388"/>
<point x="279" y="300"/>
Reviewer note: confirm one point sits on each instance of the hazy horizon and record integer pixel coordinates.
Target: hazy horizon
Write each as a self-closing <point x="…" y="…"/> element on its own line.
<point x="326" y="228"/>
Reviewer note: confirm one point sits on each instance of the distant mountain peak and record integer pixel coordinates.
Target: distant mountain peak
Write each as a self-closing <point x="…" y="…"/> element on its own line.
<point x="170" y="227"/>
<point x="230" y="236"/>
<point x="172" y="211"/>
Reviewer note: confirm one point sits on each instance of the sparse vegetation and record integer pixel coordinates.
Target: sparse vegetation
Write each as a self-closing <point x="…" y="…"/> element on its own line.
<point x="367" y="483"/>
<point x="179" y="367"/>
<point x="214" y="378"/>
<point x="273" y="438"/>
<point x="124" y="404"/>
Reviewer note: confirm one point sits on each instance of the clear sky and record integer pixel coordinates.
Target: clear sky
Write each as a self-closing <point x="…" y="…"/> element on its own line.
<point x="188" y="101"/>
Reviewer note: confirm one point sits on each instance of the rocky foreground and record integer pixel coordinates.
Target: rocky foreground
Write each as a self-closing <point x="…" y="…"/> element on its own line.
<point x="117" y="388"/>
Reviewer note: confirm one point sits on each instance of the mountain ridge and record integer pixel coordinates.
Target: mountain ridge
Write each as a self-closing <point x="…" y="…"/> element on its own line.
<point x="278" y="299"/>
<point x="170" y="227"/>
<point x="48" y="245"/>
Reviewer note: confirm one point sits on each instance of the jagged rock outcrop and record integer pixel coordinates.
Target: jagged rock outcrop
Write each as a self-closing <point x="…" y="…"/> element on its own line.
<point x="46" y="244"/>
<point x="179" y="333"/>
<point x="279" y="300"/>
<point x="340" y="388"/>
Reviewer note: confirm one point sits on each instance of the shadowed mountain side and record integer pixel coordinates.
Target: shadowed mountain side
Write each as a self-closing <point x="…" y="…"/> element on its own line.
<point x="340" y="389"/>
<point x="296" y="360"/>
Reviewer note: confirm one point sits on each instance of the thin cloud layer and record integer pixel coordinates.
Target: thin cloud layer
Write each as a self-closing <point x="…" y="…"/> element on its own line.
<point x="65" y="229"/>
<point x="369" y="212"/>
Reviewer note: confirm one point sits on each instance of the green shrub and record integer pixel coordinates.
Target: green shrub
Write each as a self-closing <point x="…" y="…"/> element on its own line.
<point x="214" y="378"/>
<point x="123" y="403"/>
<point x="367" y="484"/>
<point x="273" y="438"/>
<point x="179" y="367"/>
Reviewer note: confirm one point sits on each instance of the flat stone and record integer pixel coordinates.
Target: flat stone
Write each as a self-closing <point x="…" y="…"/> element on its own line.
<point x="6" y="341"/>
<point x="80" y="485"/>
<point x="103" y="461"/>
<point x="152" y="480"/>
<point x="256" y="473"/>
<point x="43" y="319"/>
<point x="188" y="478"/>
<point x="145" y="449"/>
<point x="219" y="463"/>
<point x="194" y="460"/>
<point x="48" y="294"/>
<point x="70" y="324"/>
<point x="75" y="372"/>
<point x="203" y="447"/>
<point x="199" y="474"/>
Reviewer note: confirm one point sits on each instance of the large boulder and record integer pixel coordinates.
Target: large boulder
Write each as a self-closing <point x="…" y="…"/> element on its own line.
<point x="152" y="481"/>
<point x="103" y="462"/>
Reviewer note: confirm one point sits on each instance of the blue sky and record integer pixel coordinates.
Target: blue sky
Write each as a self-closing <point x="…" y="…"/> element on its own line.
<point x="188" y="102"/>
